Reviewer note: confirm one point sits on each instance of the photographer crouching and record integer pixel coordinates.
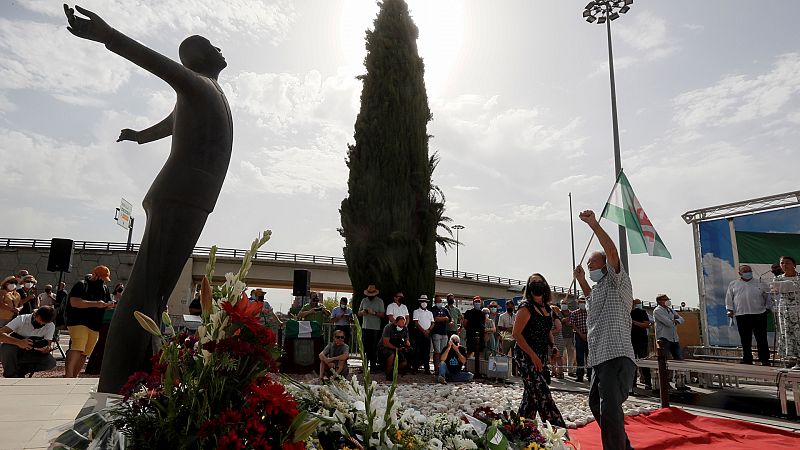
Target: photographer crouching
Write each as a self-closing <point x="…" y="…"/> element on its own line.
<point x="25" y="343"/>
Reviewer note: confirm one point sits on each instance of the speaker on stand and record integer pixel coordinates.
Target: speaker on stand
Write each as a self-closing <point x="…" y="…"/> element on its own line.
<point x="302" y="283"/>
<point x="60" y="260"/>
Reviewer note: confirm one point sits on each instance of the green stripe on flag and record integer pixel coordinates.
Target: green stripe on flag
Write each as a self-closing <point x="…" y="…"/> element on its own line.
<point x="766" y="248"/>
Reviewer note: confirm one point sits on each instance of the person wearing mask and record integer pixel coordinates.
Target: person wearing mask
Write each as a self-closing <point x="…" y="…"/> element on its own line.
<point x="474" y="323"/>
<point x="28" y="294"/>
<point x="578" y="322"/>
<point x="789" y="313"/>
<point x="371" y="310"/>
<point x="397" y="308"/>
<point x="747" y="300"/>
<point x="451" y="363"/>
<point x="96" y="361"/>
<point x="421" y="336"/>
<point x="454" y="327"/>
<point x="439" y="339"/>
<point x="505" y="325"/>
<point x="9" y="299"/>
<point x="667" y="321"/>
<point x="25" y="343"/>
<point x="489" y="332"/>
<point x="494" y="316"/>
<point x="534" y="347"/>
<point x="608" y="323"/>
<point x="568" y="333"/>
<point x="88" y="300"/>
<point x="395" y="341"/>
<point x="640" y="326"/>
<point x="342" y="317"/>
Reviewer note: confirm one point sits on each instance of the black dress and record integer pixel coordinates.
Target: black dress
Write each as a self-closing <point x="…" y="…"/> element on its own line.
<point x="537" y="397"/>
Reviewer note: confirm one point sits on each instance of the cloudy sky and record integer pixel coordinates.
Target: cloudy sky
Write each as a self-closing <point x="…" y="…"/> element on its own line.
<point x="707" y="98"/>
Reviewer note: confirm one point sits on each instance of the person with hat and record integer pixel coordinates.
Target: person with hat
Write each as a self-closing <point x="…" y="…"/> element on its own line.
<point x="88" y="300"/>
<point x="28" y="294"/>
<point x="9" y="299"/>
<point x="371" y="310"/>
<point x="397" y="308"/>
<point x="421" y="336"/>
<point x="474" y="323"/>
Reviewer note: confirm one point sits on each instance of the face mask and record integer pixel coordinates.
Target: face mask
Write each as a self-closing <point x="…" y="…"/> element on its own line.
<point x="494" y="310"/>
<point x="639" y="306"/>
<point x="36" y="324"/>
<point x="745" y="276"/>
<point x="596" y="275"/>
<point x="538" y="288"/>
<point x="668" y="304"/>
<point x="48" y="290"/>
<point x="450" y="303"/>
<point x="438" y="304"/>
<point x="510" y="311"/>
<point x="11" y="287"/>
<point x="476" y="305"/>
<point x="399" y="328"/>
<point x="582" y="305"/>
<point x="564" y="306"/>
<point x="30" y="285"/>
<point x="423" y="305"/>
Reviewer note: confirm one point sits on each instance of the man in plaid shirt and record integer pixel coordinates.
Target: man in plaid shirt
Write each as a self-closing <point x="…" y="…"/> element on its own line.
<point x="608" y="323"/>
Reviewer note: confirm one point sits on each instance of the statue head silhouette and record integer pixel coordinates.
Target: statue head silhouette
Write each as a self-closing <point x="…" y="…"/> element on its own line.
<point x="197" y="53"/>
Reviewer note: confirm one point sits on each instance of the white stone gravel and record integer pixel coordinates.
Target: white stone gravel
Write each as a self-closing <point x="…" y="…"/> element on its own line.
<point x="457" y="398"/>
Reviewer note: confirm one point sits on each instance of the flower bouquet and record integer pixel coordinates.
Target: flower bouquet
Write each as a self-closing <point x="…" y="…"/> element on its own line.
<point x="209" y="390"/>
<point x="508" y="430"/>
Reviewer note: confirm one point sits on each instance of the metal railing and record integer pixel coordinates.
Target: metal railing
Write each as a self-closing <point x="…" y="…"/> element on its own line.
<point x="262" y="256"/>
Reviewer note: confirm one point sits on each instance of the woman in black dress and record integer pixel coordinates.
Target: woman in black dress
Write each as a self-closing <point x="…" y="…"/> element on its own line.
<point x="534" y="344"/>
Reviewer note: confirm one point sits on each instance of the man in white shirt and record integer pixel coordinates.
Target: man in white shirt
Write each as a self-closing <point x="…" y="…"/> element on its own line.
<point x="748" y="302"/>
<point x="47" y="298"/>
<point x="26" y="342"/>
<point x="397" y="308"/>
<point x="421" y="335"/>
<point x="667" y="321"/>
<point x="506" y="323"/>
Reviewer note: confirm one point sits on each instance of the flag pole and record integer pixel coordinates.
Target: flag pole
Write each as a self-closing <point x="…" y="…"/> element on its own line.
<point x="571" y="233"/>
<point x="592" y="236"/>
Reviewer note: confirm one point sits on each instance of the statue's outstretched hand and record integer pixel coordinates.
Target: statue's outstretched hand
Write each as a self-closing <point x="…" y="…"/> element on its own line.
<point x="94" y="28"/>
<point x="127" y="135"/>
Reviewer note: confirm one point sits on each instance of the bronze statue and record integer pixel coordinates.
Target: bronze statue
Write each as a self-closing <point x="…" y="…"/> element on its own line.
<point x="182" y="195"/>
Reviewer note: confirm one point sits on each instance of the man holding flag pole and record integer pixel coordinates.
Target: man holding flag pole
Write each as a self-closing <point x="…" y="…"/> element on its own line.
<point x="608" y="305"/>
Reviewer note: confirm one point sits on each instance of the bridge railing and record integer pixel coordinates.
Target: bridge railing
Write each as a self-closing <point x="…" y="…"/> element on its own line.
<point x="271" y="256"/>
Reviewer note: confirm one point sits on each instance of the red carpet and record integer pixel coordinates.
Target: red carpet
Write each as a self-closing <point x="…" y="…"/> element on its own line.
<point x="676" y="428"/>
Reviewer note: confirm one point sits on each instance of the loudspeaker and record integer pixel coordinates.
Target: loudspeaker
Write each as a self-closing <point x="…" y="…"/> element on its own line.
<point x="302" y="283"/>
<point x="60" y="258"/>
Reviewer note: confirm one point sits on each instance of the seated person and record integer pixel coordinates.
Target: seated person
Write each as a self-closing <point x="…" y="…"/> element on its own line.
<point x="334" y="357"/>
<point x="451" y="366"/>
<point x="395" y="338"/>
<point x="26" y="342"/>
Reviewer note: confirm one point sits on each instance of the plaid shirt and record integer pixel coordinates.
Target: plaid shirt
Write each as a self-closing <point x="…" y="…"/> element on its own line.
<point x="609" y="318"/>
<point x="578" y="320"/>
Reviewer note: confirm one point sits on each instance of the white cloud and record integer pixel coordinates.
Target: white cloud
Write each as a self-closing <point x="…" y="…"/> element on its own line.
<point x="575" y="181"/>
<point x="260" y="19"/>
<point x="466" y="188"/>
<point x="645" y="32"/>
<point x="36" y="57"/>
<point x="738" y="98"/>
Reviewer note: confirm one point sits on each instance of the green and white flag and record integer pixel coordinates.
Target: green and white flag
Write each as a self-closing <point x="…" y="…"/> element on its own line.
<point x="624" y="209"/>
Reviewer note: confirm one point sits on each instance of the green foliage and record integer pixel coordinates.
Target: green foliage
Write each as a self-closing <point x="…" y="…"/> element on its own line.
<point x="391" y="215"/>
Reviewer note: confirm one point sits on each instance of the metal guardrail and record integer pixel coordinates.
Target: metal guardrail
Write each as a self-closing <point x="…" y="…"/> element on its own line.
<point x="272" y="256"/>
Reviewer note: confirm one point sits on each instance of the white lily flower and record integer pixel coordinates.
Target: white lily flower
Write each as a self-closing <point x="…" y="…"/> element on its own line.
<point x="435" y="444"/>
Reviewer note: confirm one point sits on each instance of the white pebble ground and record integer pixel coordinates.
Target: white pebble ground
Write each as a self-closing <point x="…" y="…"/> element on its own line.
<point x="456" y="398"/>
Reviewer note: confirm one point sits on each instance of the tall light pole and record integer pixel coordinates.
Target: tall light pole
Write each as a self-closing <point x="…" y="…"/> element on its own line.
<point x="603" y="12"/>
<point x="458" y="244"/>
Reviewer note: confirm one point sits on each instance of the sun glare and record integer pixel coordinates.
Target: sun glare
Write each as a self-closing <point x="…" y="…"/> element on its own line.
<point x="441" y="32"/>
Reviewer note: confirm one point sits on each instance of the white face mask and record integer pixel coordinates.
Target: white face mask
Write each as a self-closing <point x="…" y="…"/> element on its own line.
<point x="438" y="304"/>
<point x="11" y="287"/>
<point x="668" y="304"/>
<point x="582" y="305"/>
<point x="399" y="328"/>
<point x="423" y="305"/>
<point x="28" y="285"/>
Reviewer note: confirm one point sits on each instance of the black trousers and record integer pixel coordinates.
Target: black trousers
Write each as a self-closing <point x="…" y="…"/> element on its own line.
<point x="749" y="325"/>
<point x="18" y="362"/>
<point x="641" y="351"/>
<point x="370" y="340"/>
<point x="607" y="393"/>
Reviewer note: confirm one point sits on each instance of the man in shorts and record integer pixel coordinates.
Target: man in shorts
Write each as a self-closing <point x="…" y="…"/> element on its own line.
<point x="88" y="300"/>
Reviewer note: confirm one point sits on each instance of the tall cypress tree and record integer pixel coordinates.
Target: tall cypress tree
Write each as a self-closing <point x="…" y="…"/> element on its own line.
<point x="392" y="212"/>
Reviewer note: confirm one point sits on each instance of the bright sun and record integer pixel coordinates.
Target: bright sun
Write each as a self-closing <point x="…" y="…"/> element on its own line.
<point x="441" y="31"/>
